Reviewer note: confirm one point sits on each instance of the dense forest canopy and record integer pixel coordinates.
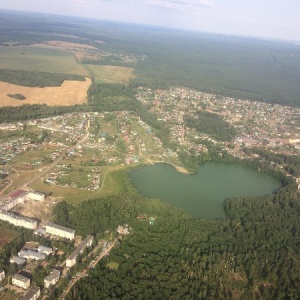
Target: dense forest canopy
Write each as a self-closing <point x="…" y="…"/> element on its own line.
<point x="36" y="79"/>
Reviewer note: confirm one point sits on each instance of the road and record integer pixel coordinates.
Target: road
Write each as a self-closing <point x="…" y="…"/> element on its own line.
<point x="84" y="272"/>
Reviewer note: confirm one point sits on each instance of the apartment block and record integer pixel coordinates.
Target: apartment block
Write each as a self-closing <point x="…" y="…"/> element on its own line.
<point x="21" y="281"/>
<point x="17" y="220"/>
<point x="61" y="231"/>
<point x="52" y="278"/>
<point x="87" y="242"/>
<point x="32" y="294"/>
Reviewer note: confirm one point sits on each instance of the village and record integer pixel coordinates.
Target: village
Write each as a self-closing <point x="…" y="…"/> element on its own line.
<point x="76" y="151"/>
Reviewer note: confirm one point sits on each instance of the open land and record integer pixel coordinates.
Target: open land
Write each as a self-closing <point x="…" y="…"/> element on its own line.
<point x="39" y="59"/>
<point x="6" y="235"/>
<point x="69" y="93"/>
<point x="111" y="74"/>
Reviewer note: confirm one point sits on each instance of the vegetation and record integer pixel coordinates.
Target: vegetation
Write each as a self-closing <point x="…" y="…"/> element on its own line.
<point x="17" y="96"/>
<point x="35" y="79"/>
<point x="211" y="124"/>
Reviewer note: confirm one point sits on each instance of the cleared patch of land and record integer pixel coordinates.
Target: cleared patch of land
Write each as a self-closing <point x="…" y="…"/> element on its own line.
<point x="64" y="45"/>
<point x="111" y="73"/>
<point x="69" y="93"/>
<point x="29" y="58"/>
<point x="6" y="235"/>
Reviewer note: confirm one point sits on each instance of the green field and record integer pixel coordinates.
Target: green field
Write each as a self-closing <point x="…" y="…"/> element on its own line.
<point x="113" y="74"/>
<point x="39" y="59"/>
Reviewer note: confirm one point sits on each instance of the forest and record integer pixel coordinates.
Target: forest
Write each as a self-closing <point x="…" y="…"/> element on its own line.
<point x="211" y="124"/>
<point x="36" y="79"/>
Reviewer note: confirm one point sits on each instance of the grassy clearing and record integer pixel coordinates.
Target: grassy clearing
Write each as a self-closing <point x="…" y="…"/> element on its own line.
<point x="71" y="195"/>
<point x="113" y="265"/>
<point x="113" y="74"/>
<point x="6" y="235"/>
<point x="39" y="59"/>
<point x="69" y="93"/>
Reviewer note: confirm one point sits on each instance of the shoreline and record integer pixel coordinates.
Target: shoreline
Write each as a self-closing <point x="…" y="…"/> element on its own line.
<point x="178" y="168"/>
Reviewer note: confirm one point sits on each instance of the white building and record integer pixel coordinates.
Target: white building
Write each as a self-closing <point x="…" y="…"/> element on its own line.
<point x="52" y="278"/>
<point x="32" y="294"/>
<point x="87" y="242"/>
<point x="21" y="281"/>
<point x="61" y="231"/>
<point x="2" y="275"/>
<point x="17" y="220"/>
<point x="45" y="250"/>
<point x="18" y="260"/>
<point x="31" y="254"/>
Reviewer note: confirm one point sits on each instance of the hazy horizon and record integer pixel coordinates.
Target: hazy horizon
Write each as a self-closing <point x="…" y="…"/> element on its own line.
<point x="259" y="19"/>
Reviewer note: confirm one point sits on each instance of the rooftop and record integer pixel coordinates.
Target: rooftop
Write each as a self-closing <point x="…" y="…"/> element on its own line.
<point x="59" y="227"/>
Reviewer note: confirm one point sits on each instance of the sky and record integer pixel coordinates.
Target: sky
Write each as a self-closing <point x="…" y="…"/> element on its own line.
<point x="275" y="19"/>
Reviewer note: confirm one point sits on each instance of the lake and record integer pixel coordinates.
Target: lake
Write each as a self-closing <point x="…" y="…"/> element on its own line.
<point x="202" y="194"/>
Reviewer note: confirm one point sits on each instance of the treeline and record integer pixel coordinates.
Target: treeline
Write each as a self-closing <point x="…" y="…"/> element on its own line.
<point x="25" y="112"/>
<point x="36" y="79"/>
<point x="212" y="124"/>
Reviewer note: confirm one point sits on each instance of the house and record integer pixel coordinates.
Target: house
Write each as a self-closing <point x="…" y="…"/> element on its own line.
<point x="45" y="250"/>
<point x="21" y="281"/>
<point x="87" y="242"/>
<point x="2" y="275"/>
<point x="32" y="294"/>
<point x="52" y="278"/>
<point x="31" y="254"/>
<point x="61" y="231"/>
<point x="18" y="260"/>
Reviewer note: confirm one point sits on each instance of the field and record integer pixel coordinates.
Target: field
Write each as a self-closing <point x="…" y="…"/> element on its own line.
<point x="39" y="59"/>
<point x="69" y="93"/>
<point x="6" y="235"/>
<point x="111" y="74"/>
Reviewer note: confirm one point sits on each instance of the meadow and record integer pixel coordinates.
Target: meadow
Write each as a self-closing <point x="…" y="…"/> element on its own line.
<point x="110" y="74"/>
<point x="39" y="59"/>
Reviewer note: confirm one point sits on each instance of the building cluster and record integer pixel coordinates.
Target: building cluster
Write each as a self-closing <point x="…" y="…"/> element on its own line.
<point x="61" y="231"/>
<point x="39" y="253"/>
<point x="19" y="197"/>
<point x="87" y="242"/>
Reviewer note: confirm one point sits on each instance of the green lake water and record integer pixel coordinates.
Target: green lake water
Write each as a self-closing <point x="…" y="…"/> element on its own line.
<point x="202" y="195"/>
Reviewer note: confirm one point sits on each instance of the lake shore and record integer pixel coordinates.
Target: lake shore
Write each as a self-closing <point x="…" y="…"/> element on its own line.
<point x="178" y="168"/>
